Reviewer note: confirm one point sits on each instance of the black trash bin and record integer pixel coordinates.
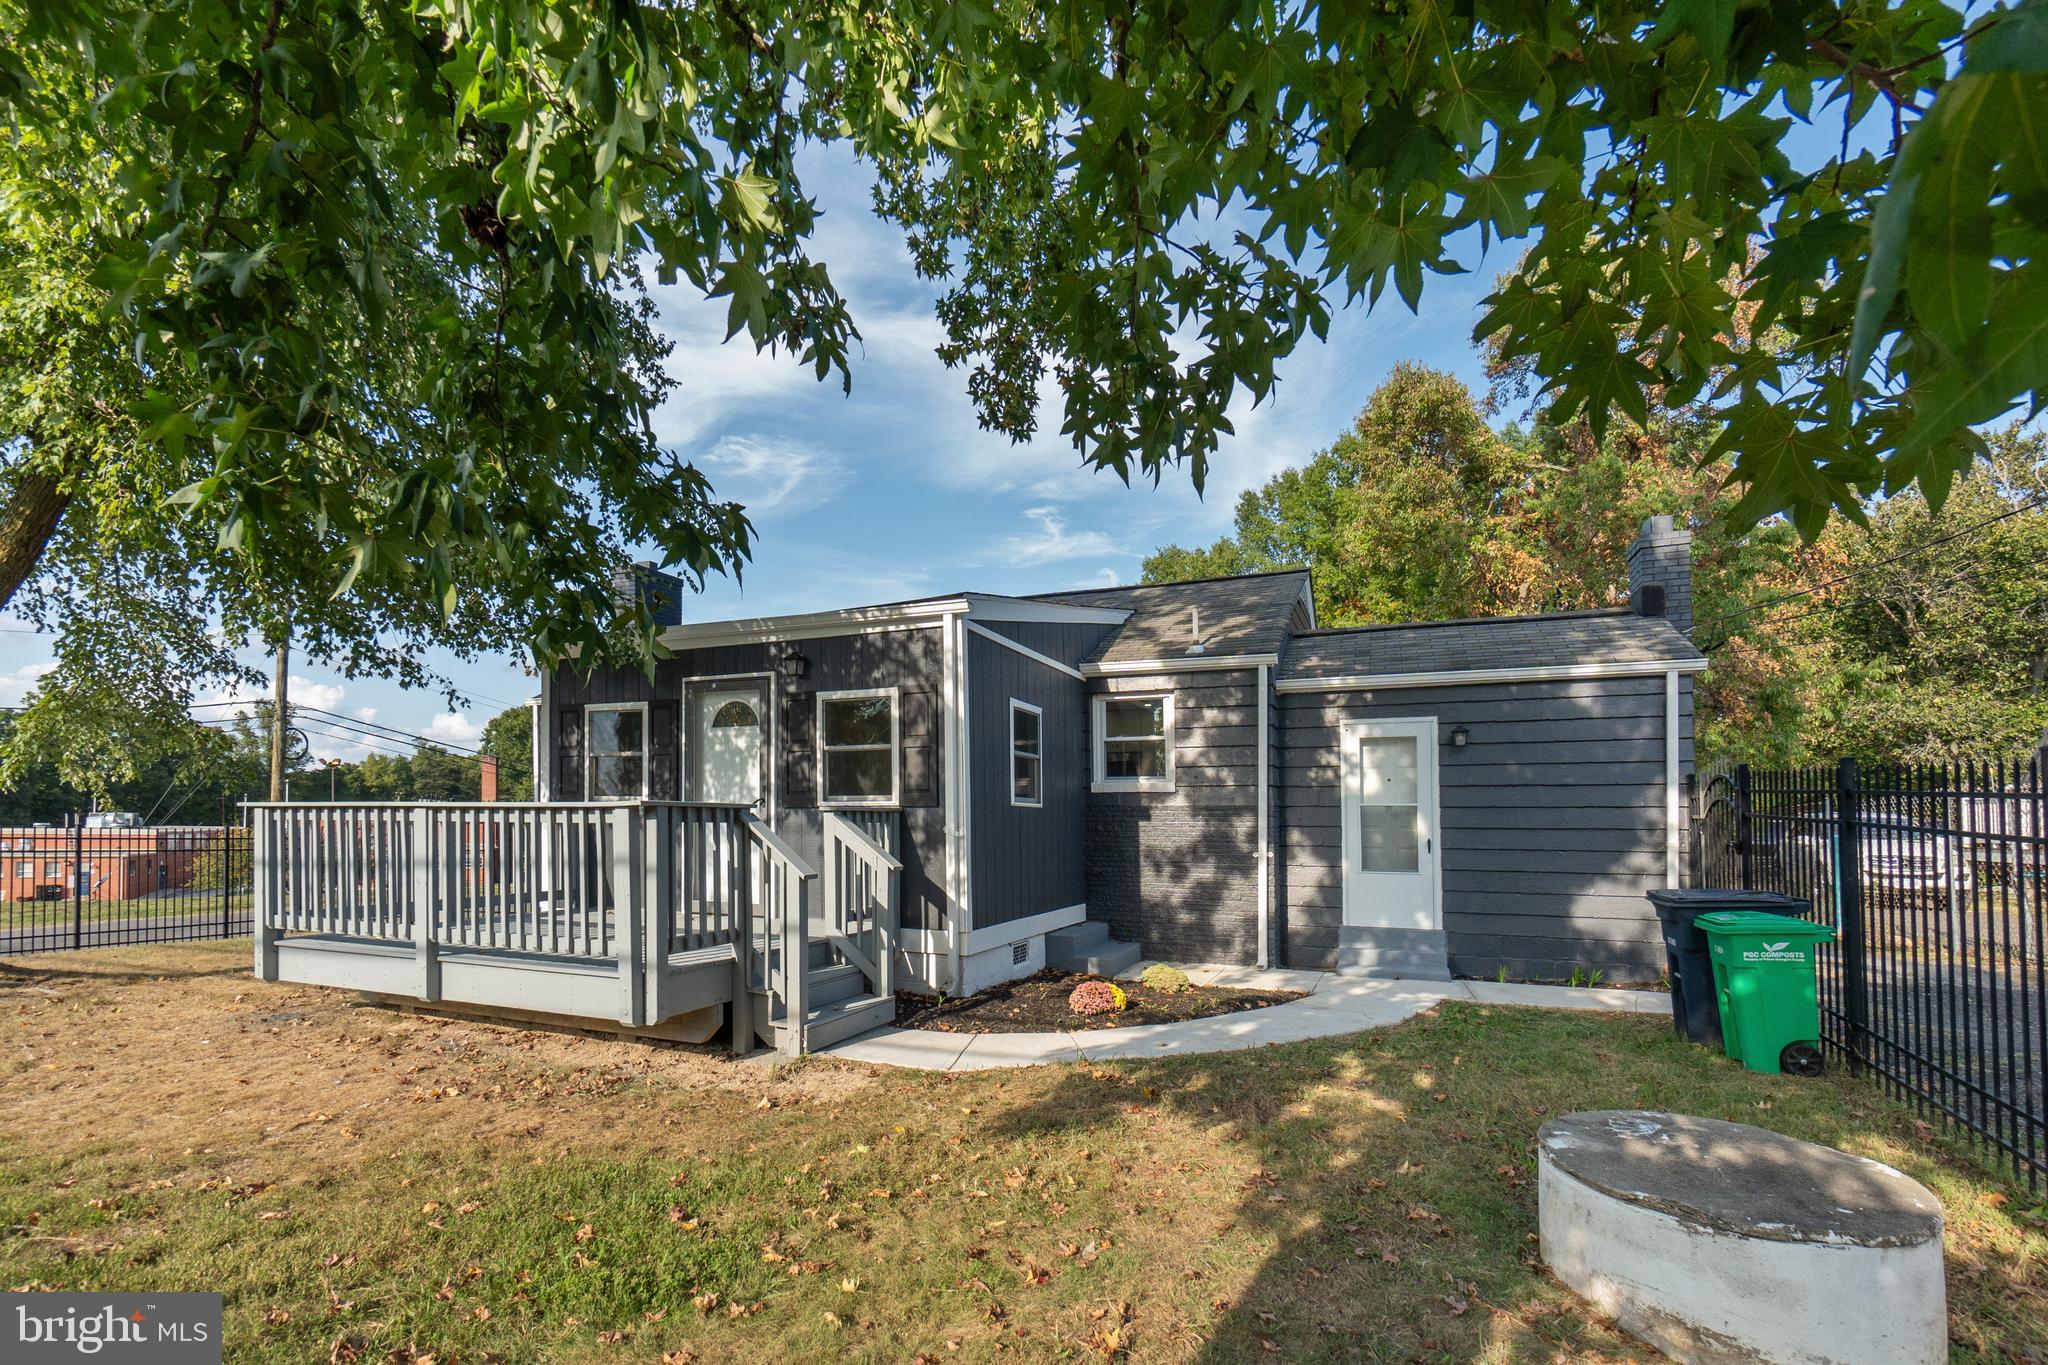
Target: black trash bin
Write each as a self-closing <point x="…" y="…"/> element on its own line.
<point x="1695" y="1007"/>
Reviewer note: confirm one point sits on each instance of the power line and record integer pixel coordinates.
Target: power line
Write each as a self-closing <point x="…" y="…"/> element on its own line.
<point x="1957" y="579"/>
<point x="1888" y="561"/>
<point x="374" y="726"/>
<point x="362" y="724"/>
<point x="378" y="744"/>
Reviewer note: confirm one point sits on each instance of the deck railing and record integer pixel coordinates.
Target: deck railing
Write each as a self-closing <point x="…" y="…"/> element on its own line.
<point x="630" y="882"/>
<point x="861" y="889"/>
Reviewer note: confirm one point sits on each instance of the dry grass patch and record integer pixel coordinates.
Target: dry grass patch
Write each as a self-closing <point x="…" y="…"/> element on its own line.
<point x="359" y="1180"/>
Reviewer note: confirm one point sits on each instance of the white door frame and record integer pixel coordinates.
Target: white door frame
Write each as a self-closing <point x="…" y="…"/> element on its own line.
<point x="1429" y="801"/>
<point x="768" y="728"/>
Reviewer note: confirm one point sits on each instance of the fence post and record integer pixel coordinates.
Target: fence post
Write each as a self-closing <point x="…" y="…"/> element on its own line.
<point x="227" y="865"/>
<point x="1742" y="794"/>
<point x="78" y="881"/>
<point x="1849" y="909"/>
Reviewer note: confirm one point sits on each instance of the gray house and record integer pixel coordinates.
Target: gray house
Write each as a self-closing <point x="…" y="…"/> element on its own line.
<point x="1193" y="772"/>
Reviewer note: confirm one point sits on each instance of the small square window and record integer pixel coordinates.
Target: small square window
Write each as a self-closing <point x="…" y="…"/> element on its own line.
<point x="1134" y="743"/>
<point x="1027" y="754"/>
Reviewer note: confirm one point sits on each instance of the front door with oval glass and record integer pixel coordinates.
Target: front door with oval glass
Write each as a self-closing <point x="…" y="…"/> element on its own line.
<point x="1391" y="849"/>
<point x="727" y="741"/>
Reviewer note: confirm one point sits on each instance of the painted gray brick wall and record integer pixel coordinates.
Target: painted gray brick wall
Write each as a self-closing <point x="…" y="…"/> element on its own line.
<point x="1176" y="872"/>
<point x="1662" y="555"/>
<point x="1553" y="823"/>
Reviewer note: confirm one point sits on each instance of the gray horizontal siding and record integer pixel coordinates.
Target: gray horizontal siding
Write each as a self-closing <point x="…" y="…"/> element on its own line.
<point x="1552" y="821"/>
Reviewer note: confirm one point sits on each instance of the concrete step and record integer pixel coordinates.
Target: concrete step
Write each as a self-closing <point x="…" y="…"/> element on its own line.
<point x="1393" y="954"/>
<point x="1106" y="959"/>
<point x="848" y="1018"/>
<point x="841" y="981"/>
<point x="1074" y="940"/>
<point x="1393" y="964"/>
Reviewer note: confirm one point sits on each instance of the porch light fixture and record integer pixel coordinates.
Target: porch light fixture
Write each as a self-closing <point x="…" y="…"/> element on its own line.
<point x="1459" y="734"/>
<point x="793" y="665"/>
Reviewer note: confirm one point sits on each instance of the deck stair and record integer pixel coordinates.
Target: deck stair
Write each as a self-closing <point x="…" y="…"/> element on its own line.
<point x="1087" y="947"/>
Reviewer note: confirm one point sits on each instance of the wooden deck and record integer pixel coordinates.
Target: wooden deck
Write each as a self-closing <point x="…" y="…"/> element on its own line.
<point x="631" y="912"/>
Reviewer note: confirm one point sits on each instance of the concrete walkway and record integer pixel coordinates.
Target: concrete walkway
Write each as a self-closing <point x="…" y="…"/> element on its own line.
<point x="1334" y="1005"/>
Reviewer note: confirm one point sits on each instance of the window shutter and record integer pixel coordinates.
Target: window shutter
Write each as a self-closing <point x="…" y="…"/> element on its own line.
<point x="799" y="750"/>
<point x="663" y="719"/>
<point x="568" y="784"/>
<point x="920" y="730"/>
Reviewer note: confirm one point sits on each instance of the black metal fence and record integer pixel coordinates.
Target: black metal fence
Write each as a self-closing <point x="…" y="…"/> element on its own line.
<point x="86" y="883"/>
<point x="1933" y="877"/>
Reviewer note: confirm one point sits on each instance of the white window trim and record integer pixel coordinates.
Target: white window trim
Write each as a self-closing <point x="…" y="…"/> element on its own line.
<point x="590" y="749"/>
<point x="1098" y="731"/>
<point x="1037" y="802"/>
<point x="894" y="799"/>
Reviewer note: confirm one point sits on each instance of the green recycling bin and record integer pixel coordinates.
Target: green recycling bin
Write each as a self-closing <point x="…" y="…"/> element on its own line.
<point x="1764" y="978"/>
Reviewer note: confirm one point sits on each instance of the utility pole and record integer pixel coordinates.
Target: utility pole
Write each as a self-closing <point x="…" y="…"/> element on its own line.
<point x="278" y="717"/>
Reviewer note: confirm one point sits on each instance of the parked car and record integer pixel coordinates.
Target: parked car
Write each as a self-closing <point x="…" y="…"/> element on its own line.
<point x="1894" y="852"/>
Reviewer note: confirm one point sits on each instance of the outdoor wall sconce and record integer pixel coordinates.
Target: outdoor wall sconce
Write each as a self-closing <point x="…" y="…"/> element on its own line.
<point x="1459" y="734"/>
<point x="793" y="665"/>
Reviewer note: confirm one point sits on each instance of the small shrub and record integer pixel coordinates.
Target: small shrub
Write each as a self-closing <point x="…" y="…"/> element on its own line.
<point x="1164" y="979"/>
<point x="1096" y="997"/>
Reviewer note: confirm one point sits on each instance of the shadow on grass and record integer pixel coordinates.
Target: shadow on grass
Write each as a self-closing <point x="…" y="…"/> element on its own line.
<point x="1395" y="1199"/>
<point x="17" y="972"/>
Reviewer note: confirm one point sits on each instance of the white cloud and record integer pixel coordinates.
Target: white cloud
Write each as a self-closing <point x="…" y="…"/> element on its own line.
<point x="1052" y="541"/>
<point x="455" y="728"/>
<point x="16" y="685"/>
<point x="773" y="480"/>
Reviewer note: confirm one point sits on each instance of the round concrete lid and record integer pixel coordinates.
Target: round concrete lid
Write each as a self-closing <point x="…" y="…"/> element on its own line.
<point x="1739" y="1179"/>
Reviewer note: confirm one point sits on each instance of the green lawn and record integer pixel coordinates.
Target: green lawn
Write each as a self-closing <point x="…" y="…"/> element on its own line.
<point x="356" y="1180"/>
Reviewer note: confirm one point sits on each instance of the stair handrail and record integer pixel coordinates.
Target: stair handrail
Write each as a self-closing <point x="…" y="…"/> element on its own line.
<point x="887" y="872"/>
<point x="785" y="885"/>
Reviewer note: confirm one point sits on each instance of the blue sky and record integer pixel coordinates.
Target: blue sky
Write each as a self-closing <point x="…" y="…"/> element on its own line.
<point x="894" y="491"/>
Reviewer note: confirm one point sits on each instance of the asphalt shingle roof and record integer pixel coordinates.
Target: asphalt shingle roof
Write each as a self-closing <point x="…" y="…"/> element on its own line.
<point x="1244" y="615"/>
<point x="1580" y="637"/>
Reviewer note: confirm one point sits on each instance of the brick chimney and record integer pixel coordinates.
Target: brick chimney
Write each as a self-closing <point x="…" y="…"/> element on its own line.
<point x="487" y="778"/>
<point x="1660" y="572"/>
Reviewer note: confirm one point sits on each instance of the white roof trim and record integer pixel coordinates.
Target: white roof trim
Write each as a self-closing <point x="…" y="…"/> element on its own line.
<point x="1456" y="677"/>
<point x="1187" y="663"/>
<point x="984" y="607"/>
<point x="812" y="625"/>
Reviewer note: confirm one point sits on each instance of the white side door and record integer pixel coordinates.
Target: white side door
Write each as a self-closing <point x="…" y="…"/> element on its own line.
<point x="726" y="739"/>
<point x="1392" y="853"/>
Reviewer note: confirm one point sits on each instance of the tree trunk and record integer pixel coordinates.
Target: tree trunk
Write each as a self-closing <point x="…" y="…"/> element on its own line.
<point x="26" y="524"/>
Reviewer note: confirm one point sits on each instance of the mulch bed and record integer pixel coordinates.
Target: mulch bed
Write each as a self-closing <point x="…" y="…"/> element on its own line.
<point x="1038" y="1004"/>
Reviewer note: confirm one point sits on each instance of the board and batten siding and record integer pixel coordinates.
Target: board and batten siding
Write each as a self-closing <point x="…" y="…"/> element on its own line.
<point x="1177" y="872"/>
<point x="910" y="660"/>
<point x="1026" y="860"/>
<point x="1068" y="642"/>
<point x="1552" y="829"/>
